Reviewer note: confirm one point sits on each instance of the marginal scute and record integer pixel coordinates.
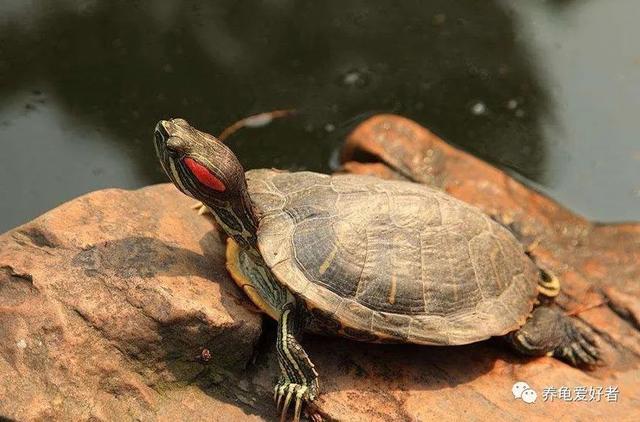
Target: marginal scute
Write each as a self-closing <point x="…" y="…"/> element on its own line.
<point x="362" y="316"/>
<point x="395" y="260"/>
<point x="325" y="320"/>
<point x="429" y="330"/>
<point x="360" y="335"/>
<point x="392" y="325"/>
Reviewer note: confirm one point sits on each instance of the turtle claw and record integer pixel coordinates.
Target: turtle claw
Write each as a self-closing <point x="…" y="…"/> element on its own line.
<point x="201" y="208"/>
<point x="287" y="402"/>
<point x="580" y="347"/>
<point x="298" y="408"/>
<point x="288" y="392"/>
<point x="279" y="395"/>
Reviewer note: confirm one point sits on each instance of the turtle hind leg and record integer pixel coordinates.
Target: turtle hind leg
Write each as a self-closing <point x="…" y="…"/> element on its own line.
<point x="299" y="380"/>
<point x="549" y="332"/>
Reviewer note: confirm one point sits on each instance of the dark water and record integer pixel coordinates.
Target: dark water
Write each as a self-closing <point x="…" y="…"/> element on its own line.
<point x="549" y="90"/>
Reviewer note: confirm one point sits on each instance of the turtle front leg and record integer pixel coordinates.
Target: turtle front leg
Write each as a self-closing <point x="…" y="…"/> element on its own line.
<point x="550" y="332"/>
<point x="299" y="379"/>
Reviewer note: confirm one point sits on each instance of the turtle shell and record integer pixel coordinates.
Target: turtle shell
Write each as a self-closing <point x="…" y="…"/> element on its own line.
<point x="392" y="260"/>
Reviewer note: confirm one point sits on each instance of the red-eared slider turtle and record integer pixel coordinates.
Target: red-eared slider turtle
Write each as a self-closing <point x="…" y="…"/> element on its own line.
<point x="365" y="258"/>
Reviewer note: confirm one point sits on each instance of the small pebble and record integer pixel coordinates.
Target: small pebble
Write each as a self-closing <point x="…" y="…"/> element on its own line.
<point x="351" y="78"/>
<point x="479" y="108"/>
<point x="205" y="355"/>
<point x="21" y="344"/>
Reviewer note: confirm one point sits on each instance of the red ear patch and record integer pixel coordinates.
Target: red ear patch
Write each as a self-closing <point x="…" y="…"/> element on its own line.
<point x="204" y="176"/>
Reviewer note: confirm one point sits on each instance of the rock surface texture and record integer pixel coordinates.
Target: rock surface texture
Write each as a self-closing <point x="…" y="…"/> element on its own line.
<point x="117" y="306"/>
<point x="106" y="304"/>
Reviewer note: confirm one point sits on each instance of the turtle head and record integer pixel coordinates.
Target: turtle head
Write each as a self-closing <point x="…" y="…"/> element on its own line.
<point x="204" y="168"/>
<point x="198" y="164"/>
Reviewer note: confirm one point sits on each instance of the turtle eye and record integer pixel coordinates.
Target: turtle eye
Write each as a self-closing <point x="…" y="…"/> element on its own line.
<point x="204" y="176"/>
<point x="176" y="145"/>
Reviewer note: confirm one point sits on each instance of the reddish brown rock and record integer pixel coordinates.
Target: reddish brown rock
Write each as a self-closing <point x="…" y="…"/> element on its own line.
<point x="106" y="304"/>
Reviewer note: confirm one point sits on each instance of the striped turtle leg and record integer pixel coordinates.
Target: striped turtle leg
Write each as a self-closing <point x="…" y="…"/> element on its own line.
<point x="549" y="331"/>
<point x="299" y="380"/>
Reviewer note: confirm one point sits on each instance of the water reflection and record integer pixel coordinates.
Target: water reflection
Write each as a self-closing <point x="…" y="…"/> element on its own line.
<point x="89" y="80"/>
<point x="593" y="76"/>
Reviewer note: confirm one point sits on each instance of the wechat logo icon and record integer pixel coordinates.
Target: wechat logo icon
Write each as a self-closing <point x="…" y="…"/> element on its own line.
<point x="521" y="390"/>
